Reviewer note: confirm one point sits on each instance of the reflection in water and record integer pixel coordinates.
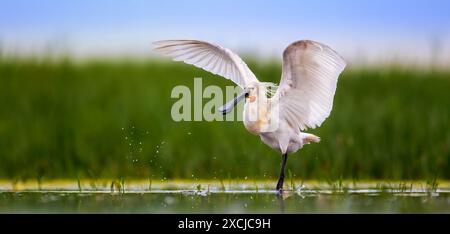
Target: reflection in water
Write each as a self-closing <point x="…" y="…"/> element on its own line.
<point x="182" y="201"/>
<point x="281" y="196"/>
<point x="281" y="202"/>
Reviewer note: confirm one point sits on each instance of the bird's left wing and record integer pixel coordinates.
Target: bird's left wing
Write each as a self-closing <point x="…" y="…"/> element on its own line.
<point x="212" y="58"/>
<point x="308" y="83"/>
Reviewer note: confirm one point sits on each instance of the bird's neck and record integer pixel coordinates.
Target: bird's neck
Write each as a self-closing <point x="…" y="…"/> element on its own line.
<point x="257" y="114"/>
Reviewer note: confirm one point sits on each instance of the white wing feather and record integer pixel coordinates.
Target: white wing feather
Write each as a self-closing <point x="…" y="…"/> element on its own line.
<point x="308" y="83"/>
<point x="210" y="57"/>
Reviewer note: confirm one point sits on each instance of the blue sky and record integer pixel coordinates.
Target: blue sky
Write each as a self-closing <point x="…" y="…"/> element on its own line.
<point x="375" y="30"/>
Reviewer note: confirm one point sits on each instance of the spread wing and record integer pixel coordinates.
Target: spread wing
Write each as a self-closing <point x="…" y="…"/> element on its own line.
<point x="308" y="83"/>
<point x="212" y="58"/>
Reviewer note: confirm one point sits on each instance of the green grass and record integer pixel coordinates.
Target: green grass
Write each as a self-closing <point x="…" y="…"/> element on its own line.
<point x="111" y="119"/>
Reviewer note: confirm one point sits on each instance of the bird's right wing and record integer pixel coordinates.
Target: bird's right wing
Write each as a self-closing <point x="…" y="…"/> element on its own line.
<point x="308" y="83"/>
<point x="212" y="58"/>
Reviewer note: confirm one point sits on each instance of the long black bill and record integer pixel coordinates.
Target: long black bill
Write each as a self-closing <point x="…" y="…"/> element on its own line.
<point x="228" y="107"/>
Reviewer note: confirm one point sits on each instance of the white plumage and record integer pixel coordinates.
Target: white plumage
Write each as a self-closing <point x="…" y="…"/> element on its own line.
<point x="211" y="58"/>
<point x="303" y="100"/>
<point x="308" y="83"/>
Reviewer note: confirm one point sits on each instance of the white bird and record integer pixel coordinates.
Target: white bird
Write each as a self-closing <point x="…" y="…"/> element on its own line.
<point x="303" y="99"/>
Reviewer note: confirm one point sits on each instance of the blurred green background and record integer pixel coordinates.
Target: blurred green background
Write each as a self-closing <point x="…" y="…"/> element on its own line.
<point x="111" y="118"/>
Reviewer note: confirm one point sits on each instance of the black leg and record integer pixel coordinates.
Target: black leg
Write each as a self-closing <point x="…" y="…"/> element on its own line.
<point x="281" y="179"/>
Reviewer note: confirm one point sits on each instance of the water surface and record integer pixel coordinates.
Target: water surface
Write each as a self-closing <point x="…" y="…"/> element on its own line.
<point x="243" y="199"/>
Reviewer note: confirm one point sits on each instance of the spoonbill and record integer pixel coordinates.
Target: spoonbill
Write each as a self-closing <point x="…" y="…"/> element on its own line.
<point x="302" y="100"/>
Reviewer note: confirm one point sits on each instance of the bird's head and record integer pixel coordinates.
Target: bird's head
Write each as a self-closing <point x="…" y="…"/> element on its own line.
<point x="251" y="93"/>
<point x="260" y="90"/>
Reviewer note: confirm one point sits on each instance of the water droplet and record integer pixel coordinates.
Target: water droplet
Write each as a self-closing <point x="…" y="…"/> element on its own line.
<point x="163" y="142"/>
<point x="126" y="138"/>
<point x="123" y="129"/>
<point x="157" y="151"/>
<point x="140" y="143"/>
<point x="169" y="200"/>
<point x="245" y="178"/>
<point x="189" y="133"/>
